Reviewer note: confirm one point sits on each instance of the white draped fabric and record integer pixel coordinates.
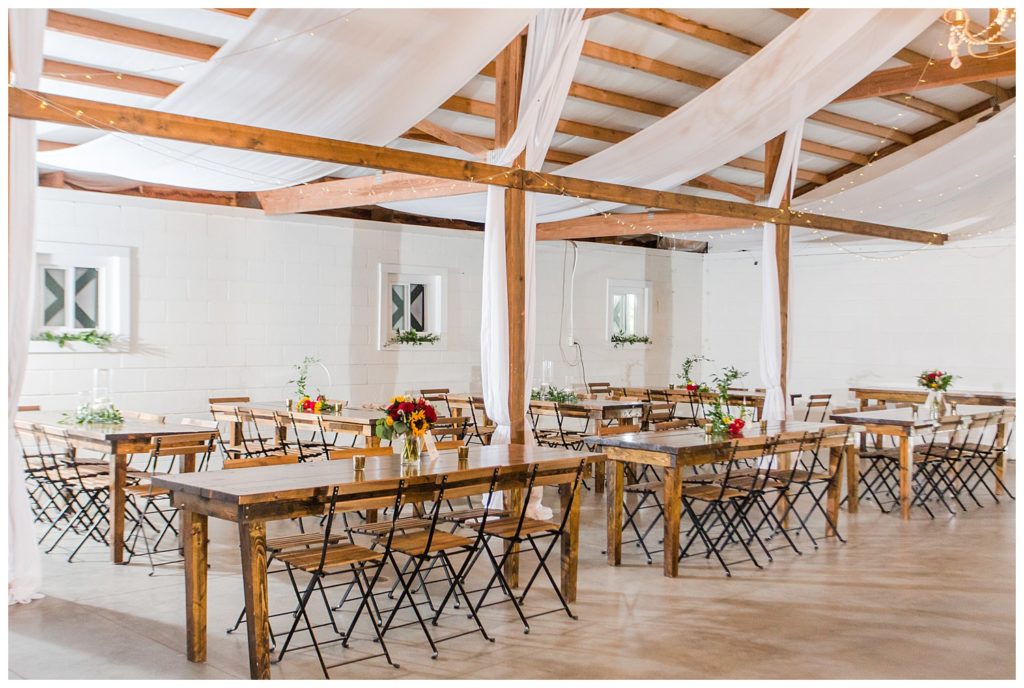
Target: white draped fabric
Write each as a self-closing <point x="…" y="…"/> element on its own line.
<point x="960" y="181"/>
<point x="804" y="68"/>
<point x="555" y="38"/>
<point x="771" y="325"/>
<point x="363" y="75"/>
<point x="24" y="574"/>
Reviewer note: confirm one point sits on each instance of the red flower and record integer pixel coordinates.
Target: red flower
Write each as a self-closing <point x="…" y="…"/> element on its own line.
<point x="406" y="407"/>
<point x="932" y="376"/>
<point x="691" y="387"/>
<point x="430" y="413"/>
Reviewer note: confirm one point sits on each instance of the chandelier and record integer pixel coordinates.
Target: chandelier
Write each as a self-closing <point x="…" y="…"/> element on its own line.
<point x="963" y="32"/>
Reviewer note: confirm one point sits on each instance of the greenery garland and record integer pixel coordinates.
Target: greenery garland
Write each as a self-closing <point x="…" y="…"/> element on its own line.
<point x="413" y="337"/>
<point x="100" y="340"/>
<point x="561" y="396"/>
<point x="86" y="413"/>
<point x="620" y="339"/>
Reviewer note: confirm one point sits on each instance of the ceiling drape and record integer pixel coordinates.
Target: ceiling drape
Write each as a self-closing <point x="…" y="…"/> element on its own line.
<point x="362" y="75"/>
<point x="24" y="569"/>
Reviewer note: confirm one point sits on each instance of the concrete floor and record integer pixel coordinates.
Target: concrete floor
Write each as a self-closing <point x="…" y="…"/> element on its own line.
<point x="925" y="599"/>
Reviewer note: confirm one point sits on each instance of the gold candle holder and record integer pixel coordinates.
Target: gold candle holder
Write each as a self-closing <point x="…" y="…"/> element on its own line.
<point x="764" y="426"/>
<point x="290" y="402"/>
<point x="359" y="461"/>
<point x="707" y="429"/>
<point x="463" y="452"/>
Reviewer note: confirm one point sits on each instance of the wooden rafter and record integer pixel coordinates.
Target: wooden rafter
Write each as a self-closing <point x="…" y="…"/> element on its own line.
<point x="595" y="12"/>
<point x="94" y="76"/>
<point x="629" y="224"/>
<point x="938" y="74"/>
<point x="133" y="38"/>
<point x="243" y="12"/>
<point x="931" y="109"/>
<point x="361" y="191"/>
<point x="33" y="105"/>
<point x="688" y="27"/>
<point x="44" y="145"/>
<point x="460" y="141"/>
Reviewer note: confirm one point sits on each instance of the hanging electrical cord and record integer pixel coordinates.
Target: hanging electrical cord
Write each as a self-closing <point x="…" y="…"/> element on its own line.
<point x="572" y="318"/>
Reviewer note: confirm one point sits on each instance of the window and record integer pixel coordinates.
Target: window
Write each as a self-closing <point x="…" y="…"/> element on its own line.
<point x="81" y="287"/>
<point x="628" y="307"/>
<point x="411" y="298"/>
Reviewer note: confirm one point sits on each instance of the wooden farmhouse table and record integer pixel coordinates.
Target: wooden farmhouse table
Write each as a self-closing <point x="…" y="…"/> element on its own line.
<point x="905" y="424"/>
<point x="355" y="420"/>
<point x="118" y="442"/>
<point x="917" y="395"/>
<point x="252" y="496"/>
<point x="674" y="451"/>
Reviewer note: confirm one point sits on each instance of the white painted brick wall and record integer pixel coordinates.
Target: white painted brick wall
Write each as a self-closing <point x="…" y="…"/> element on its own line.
<point x="226" y="300"/>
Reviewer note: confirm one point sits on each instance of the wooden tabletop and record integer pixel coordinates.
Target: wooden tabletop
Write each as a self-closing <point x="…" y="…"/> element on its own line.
<point x="350" y="414"/>
<point x="130" y="430"/>
<point x="681" y="442"/>
<point x="298" y="481"/>
<point x="979" y="397"/>
<point x="907" y="417"/>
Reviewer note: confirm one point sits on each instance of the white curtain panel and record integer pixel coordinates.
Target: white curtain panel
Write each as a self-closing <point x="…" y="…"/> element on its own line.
<point x="554" y="41"/>
<point x="775" y="407"/>
<point x="364" y="75"/>
<point x="24" y="574"/>
<point x="803" y="69"/>
<point x="960" y="181"/>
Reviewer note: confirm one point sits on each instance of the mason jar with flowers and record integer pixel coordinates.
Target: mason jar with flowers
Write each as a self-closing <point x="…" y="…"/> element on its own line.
<point x="408" y="419"/>
<point x="937" y="382"/>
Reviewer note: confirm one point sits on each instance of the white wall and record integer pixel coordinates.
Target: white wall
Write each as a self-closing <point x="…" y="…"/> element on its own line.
<point x="226" y="300"/>
<point x="856" y="322"/>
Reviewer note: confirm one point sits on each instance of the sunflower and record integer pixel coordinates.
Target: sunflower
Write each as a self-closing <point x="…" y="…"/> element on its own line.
<point x="389" y="421"/>
<point x="419" y="424"/>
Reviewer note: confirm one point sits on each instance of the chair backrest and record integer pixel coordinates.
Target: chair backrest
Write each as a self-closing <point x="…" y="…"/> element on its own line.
<point x="348" y="453"/>
<point x="187" y="443"/>
<point x="599" y="387"/>
<point x="445" y="445"/>
<point x="436" y="394"/>
<point x="672" y="424"/>
<point x="657" y="394"/>
<point x="658" y="412"/>
<point x="572" y="411"/>
<point x="257" y="461"/>
<point x="228" y="400"/>
<point x="451" y="426"/>
<point x="142" y="415"/>
<point x="29" y="408"/>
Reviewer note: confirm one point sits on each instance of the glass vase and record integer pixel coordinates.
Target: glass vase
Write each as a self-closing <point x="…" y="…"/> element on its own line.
<point x="411" y="451"/>
<point x="936" y="404"/>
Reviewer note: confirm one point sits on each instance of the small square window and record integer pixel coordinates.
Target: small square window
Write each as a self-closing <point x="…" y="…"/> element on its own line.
<point x="412" y="298"/>
<point x="628" y="307"/>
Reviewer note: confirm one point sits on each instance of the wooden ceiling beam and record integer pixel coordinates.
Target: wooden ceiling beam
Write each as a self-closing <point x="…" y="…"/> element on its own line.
<point x="758" y="166"/>
<point x="706" y="181"/>
<point x="913" y="78"/>
<point x="101" y="78"/>
<point x="554" y="156"/>
<point x="628" y="224"/>
<point x="43" y="145"/>
<point x="452" y="138"/>
<point x="360" y="191"/>
<point x="133" y="38"/>
<point x="242" y="12"/>
<point x="688" y="27"/>
<point x="32" y="105"/>
<point x="624" y="58"/>
<point x="912" y="57"/>
<point x="595" y="12"/>
<point x="931" y="109"/>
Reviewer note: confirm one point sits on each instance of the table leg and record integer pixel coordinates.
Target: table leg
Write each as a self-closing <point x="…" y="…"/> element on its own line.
<point x="1001" y="458"/>
<point x="906" y="476"/>
<point x="835" y="469"/>
<point x="188" y="465"/>
<point x="194" y="530"/>
<point x="118" y="477"/>
<point x="235" y="437"/>
<point x="673" y="504"/>
<point x="614" y="499"/>
<point x="513" y="503"/>
<point x="252" y="541"/>
<point x="782" y="508"/>
<point x="853" y="478"/>
<point x="600" y="470"/>
<point x="570" y="541"/>
<point x="372" y="441"/>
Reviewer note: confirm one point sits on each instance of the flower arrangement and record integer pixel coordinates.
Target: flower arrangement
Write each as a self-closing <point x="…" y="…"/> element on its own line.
<point x="413" y="337"/>
<point x="562" y="396"/>
<point x="302" y="376"/>
<point x="92" y="413"/>
<point x="620" y="339"/>
<point x="408" y="417"/>
<point x="687" y="374"/>
<point x="717" y="416"/>
<point x="935" y="380"/>
<point x="318" y="404"/>
<point x="101" y="340"/>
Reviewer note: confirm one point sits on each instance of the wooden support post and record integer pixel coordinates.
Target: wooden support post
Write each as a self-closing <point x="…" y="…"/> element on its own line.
<point x="772" y="153"/>
<point x="508" y="84"/>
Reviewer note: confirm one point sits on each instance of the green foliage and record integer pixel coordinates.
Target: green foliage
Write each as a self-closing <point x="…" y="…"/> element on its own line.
<point x="935" y="380"/>
<point x="562" y="396"/>
<point x="87" y="414"/>
<point x="620" y="339"/>
<point x="413" y="337"/>
<point x="716" y="415"/>
<point x="100" y="340"/>
<point x="302" y="370"/>
<point x="688" y="363"/>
